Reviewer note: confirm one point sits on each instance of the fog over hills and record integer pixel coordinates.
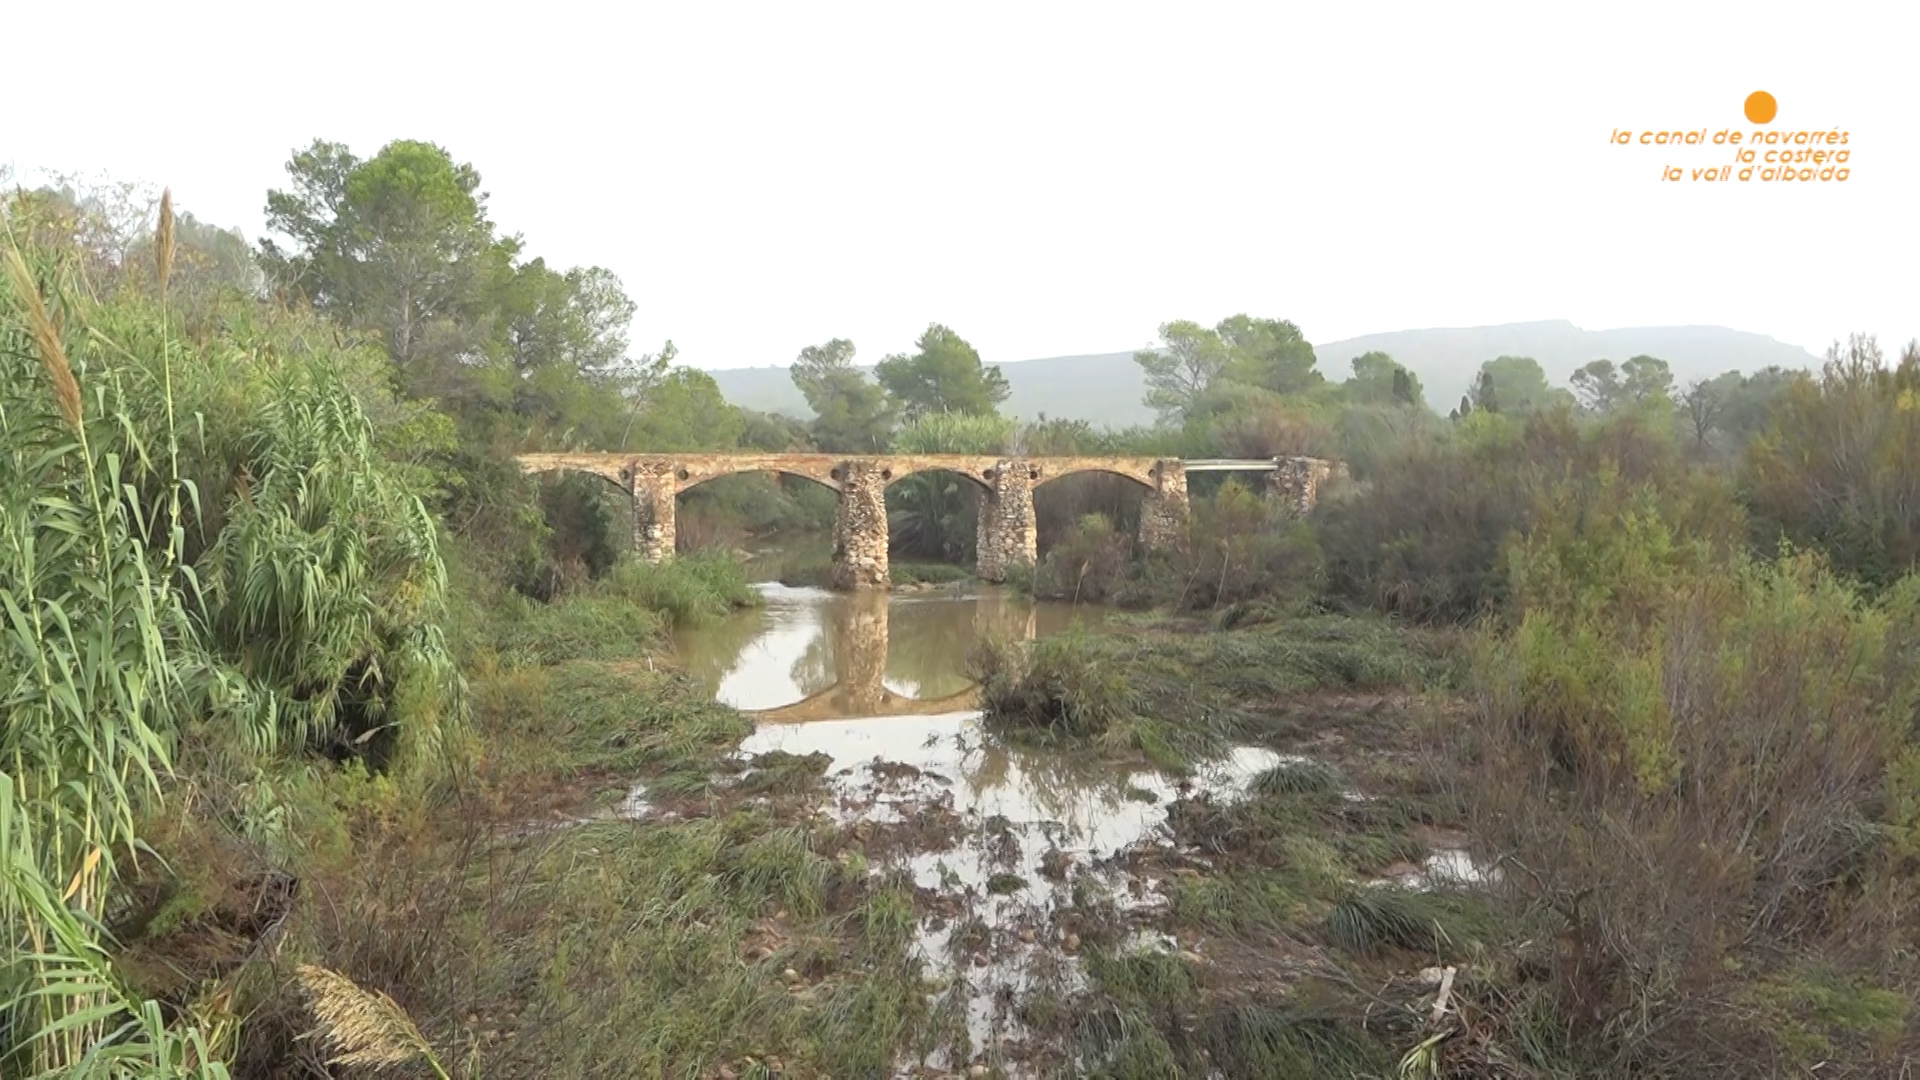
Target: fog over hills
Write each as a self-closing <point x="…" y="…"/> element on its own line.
<point x="1447" y="359"/>
<point x="1106" y="388"/>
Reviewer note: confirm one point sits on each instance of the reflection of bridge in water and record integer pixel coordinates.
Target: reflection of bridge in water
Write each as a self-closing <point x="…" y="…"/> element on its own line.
<point x="859" y="627"/>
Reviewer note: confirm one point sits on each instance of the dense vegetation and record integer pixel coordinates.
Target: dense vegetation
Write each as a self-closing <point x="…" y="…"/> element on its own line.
<point x="1687" y="745"/>
<point x="292" y="655"/>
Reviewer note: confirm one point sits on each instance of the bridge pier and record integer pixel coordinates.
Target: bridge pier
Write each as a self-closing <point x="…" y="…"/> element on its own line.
<point x="1299" y="479"/>
<point x="652" y="485"/>
<point x="860" y="525"/>
<point x="1005" y="531"/>
<point x="1163" y="512"/>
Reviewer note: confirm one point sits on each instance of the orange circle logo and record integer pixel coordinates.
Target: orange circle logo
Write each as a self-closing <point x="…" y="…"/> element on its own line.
<point x="1761" y="107"/>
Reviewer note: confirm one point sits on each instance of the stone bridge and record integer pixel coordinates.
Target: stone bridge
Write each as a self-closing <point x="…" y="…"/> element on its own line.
<point x="1006" y="525"/>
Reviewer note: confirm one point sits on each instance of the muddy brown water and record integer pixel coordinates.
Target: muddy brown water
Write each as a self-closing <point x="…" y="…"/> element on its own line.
<point x="809" y="654"/>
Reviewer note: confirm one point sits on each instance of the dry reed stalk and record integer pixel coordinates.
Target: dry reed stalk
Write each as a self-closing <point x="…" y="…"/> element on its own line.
<point x="46" y="337"/>
<point x="163" y="239"/>
<point x="367" y="1029"/>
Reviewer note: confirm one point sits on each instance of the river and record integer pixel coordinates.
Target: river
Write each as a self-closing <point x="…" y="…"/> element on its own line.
<point x="812" y="654"/>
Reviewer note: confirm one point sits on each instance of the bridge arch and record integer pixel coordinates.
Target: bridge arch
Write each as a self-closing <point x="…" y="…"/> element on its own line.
<point x="1125" y="472"/>
<point x="686" y="480"/>
<point x="932" y="504"/>
<point x="611" y="473"/>
<point x="977" y="471"/>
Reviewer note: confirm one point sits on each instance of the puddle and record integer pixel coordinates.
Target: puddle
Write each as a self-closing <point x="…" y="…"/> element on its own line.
<point x="635" y="805"/>
<point x="1445" y="867"/>
<point x="1026" y="825"/>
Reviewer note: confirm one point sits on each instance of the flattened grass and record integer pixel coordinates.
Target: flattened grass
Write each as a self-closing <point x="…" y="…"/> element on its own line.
<point x="1180" y="697"/>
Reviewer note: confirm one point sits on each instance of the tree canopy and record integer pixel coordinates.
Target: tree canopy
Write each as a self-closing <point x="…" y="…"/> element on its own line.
<point x="400" y="247"/>
<point x="1378" y="379"/>
<point x="943" y="374"/>
<point x="1183" y="369"/>
<point x="1270" y="353"/>
<point x="850" y="412"/>
<point x="1518" y="384"/>
<point x="1602" y="388"/>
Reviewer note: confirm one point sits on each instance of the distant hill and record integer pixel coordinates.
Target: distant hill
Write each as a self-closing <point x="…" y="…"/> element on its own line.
<point x="1106" y="388"/>
<point x="1102" y="388"/>
<point x="1448" y="359"/>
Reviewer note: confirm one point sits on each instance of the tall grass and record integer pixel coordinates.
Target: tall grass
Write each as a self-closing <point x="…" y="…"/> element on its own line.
<point x="98" y="656"/>
<point x="325" y="581"/>
<point x="198" y="538"/>
<point x="691" y="590"/>
<point x="1062" y="686"/>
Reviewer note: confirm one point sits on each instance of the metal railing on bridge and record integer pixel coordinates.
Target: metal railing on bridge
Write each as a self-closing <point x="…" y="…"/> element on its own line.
<point x="1232" y="464"/>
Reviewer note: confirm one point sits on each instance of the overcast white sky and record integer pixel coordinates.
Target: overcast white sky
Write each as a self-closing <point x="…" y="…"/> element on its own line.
<point x="1051" y="178"/>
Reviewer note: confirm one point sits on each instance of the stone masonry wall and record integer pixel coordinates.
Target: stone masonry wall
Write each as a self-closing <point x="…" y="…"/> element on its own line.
<point x="860" y="525"/>
<point x="1163" y="512"/>
<point x="1299" y="480"/>
<point x="652" y="484"/>
<point x="1006" y="530"/>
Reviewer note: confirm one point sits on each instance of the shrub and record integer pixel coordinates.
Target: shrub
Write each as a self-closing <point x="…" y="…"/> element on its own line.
<point x="1837" y="467"/>
<point x="1243" y="546"/>
<point x="1060" y="685"/>
<point x="1426" y="533"/>
<point x="1695" y="773"/>
<point x="1421" y="536"/>
<point x="1090" y="564"/>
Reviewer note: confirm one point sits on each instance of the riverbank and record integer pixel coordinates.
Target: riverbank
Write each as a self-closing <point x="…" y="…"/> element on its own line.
<point x="979" y="885"/>
<point x="607" y="877"/>
<point x="1146" y="846"/>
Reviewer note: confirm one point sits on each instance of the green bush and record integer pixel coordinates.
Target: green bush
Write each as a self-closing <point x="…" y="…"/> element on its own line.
<point x="1700" y="773"/>
<point x="1837" y="466"/>
<point x="618" y="617"/>
<point x="1426" y="533"/>
<point x="1064" y="685"/>
<point x="1090" y="564"/>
